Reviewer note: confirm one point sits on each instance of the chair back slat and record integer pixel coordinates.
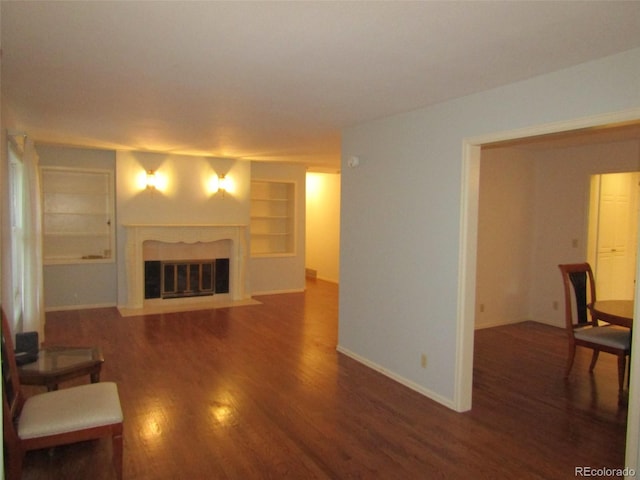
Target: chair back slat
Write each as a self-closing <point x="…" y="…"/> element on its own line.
<point x="579" y="294"/>
<point x="579" y="282"/>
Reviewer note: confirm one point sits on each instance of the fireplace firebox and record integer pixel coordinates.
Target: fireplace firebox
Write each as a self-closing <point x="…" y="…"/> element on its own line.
<point x="188" y="244"/>
<point x="187" y="278"/>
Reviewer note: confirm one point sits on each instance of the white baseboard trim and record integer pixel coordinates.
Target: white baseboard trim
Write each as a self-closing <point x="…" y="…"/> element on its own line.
<point x="393" y="376"/>
<point x="330" y="280"/>
<point x="276" y="292"/>
<point x="157" y="308"/>
<point x="499" y="323"/>
<point x="78" y="307"/>
<point x="502" y="324"/>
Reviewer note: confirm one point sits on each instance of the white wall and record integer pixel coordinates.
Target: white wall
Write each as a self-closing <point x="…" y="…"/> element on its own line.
<point x="401" y="214"/>
<point x="505" y="237"/>
<point x="562" y="215"/>
<point x="184" y="201"/>
<point x="323" y="225"/>
<point x="281" y="273"/>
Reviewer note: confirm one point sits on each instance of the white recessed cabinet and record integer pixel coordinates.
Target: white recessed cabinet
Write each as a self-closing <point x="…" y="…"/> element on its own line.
<point x="78" y="220"/>
<point x="272" y="218"/>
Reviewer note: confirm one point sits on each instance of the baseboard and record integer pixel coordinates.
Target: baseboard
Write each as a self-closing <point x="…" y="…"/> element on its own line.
<point x="330" y="280"/>
<point x="156" y="309"/>
<point x="499" y="323"/>
<point x="393" y="376"/>
<point x="78" y="307"/>
<point x="503" y="324"/>
<point x="276" y="292"/>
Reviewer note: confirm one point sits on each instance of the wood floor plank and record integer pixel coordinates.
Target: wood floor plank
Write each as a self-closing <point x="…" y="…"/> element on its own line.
<point x="260" y="391"/>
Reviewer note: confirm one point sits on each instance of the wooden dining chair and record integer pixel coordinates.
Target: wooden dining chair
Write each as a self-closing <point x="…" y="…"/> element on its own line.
<point x="582" y="329"/>
<point x="46" y="420"/>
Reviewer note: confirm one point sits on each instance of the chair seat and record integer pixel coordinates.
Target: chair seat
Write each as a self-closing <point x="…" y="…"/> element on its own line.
<point x="609" y="335"/>
<point x="71" y="409"/>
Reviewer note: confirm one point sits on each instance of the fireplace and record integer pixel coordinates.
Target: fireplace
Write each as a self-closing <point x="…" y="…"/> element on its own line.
<point x="185" y="278"/>
<point x="194" y="263"/>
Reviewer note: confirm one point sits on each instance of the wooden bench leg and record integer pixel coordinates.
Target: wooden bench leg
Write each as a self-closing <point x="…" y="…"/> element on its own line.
<point x="117" y="454"/>
<point x="14" y="460"/>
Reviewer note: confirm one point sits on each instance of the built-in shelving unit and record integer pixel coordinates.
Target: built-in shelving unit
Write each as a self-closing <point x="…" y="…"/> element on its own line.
<point x="272" y="218"/>
<point x="77" y="209"/>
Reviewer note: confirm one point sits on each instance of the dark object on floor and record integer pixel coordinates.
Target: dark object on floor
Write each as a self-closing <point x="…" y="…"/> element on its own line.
<point x="27" y="347"/>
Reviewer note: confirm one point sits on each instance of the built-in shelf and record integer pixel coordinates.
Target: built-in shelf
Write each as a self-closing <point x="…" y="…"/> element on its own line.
<point x="272" y="218"/>
<point x="77" y="206"/>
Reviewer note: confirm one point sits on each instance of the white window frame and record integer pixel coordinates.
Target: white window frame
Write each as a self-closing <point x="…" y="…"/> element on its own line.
<point x="16" y="199"/>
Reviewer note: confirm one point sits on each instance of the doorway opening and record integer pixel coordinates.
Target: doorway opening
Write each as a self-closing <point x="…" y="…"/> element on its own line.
<point x="614" y="123"/>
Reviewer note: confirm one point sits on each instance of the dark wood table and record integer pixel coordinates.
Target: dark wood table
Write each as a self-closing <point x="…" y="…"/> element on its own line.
<point x="58" y="364"/>
<point x="616" y="312"/>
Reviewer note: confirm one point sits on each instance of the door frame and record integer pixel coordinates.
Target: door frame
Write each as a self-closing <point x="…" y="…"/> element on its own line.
<point x="471" y="153"/>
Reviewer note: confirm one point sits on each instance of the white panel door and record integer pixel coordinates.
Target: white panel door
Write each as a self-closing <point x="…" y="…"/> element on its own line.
<point x="616" y="240"/>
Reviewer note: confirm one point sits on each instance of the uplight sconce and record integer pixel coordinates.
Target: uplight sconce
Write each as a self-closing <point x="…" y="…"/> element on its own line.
<point x="220" y="184"/>
<point x="151" y="180"/>
<point x="223" y="184"/>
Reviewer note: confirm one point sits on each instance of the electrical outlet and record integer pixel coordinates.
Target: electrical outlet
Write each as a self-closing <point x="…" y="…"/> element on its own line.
<point x="423" y="360"/>
<point x="555" y="305"/>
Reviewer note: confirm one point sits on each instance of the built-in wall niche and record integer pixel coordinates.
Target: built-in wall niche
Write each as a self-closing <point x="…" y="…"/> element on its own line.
<point x="272" y="218"/>
<point x="77" y="209"/>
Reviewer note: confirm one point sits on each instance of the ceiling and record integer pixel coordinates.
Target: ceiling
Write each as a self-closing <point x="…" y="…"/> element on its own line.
<point x="275" y="81"/>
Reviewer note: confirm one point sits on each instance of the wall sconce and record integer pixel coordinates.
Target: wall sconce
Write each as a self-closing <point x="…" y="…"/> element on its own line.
<point x="151" y="180"/>
<point x="223" y="184"/>
<point x="219" y="184"/>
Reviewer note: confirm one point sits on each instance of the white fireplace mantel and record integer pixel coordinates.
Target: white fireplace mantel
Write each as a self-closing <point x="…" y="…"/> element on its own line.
<point x="137" y="234"/>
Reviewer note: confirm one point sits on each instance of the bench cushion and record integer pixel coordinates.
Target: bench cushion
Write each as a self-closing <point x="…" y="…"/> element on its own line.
<point x="70" y="409"/>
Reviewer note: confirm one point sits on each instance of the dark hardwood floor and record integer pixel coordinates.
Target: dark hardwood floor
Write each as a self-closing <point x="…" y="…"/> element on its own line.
<point x="260" y="392"/>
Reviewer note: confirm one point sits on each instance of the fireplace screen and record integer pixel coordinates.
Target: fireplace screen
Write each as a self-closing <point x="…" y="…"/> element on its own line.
<point x="179" y="279"/>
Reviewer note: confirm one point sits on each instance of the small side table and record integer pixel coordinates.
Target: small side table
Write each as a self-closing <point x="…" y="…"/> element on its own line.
<point x="58" y="364"/>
